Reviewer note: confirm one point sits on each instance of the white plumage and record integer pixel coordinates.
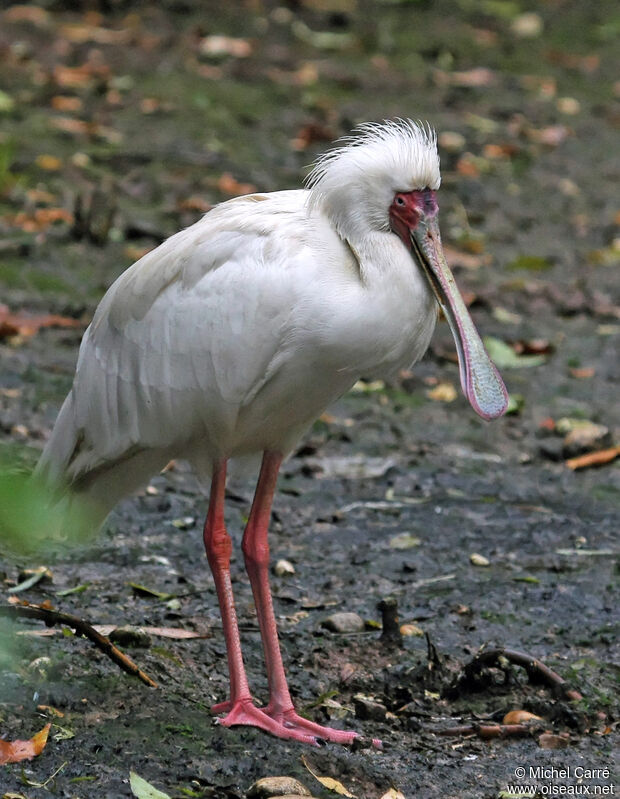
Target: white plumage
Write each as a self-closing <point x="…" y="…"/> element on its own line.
<point x="231" y="337"/>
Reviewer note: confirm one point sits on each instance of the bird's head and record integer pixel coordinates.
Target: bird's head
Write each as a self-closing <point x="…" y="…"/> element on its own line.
<point x="384" y="178"/>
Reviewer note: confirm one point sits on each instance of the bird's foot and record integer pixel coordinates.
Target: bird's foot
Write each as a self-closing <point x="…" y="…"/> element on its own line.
<point x="282" y="723"/>
<point x="244" y="712"/>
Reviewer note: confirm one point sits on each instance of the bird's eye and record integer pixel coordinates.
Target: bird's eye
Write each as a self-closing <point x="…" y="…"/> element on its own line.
<point x="399" y="200"/>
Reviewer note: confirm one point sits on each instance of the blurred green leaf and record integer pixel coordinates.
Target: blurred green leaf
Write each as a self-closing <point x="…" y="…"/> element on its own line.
<point x="143" y="789"/>
<point x="36" y="519"/>
<point x="504" y="357"/>
<point x="532" y="263"/>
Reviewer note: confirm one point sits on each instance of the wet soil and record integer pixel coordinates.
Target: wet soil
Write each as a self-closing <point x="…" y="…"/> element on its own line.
<point x="391" y="492"/>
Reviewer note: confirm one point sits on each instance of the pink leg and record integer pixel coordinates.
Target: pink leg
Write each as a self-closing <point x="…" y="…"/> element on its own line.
<point x="240" y="708"/>
<point x="256" y="553"/>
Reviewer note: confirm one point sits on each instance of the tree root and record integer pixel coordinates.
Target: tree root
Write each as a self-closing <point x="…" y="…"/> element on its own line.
<point x="535" y="669"/>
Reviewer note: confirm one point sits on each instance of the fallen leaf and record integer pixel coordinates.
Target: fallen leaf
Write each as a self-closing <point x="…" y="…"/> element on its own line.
<point x="329" y="782"/>
<point x="227" y="184"/>
<point x="143" y="789"/>
<point x="598" y="458"/>
<point x="550" y="741"/>
<point x="52" y="711"/>
<point x="505" y="357"/>
<point x="48" y="162"/>
<point x="393" y="793"/>
<point x="40" y="219"/>
<point x="143" y="590"/>
<point x="520" y="717"/>
<point x="404" y="541"/>
<point x="533" y="263"/>
<point x="14" y="751"/>
<point x="66" y="103"/>
<point x="23" y="324"/>
<point x="31" y="578"/>
<point x="516" y="403"/>
<point x="443" y="392"/>
<point x="311" y="133"/>
<point x="176" y="633"/>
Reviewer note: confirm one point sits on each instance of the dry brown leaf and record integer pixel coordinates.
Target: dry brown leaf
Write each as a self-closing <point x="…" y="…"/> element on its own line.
<point x="550" y="741"/>
<point x="598" y="458"/>
<point x="329" y="782"/>
<point x="176" y="633"/>
<point x="466" y="167"/>
<point x="443" y="392"/>
<point x="14" y="751"/>
<point x="227" y="184"/>
<point x="50" y="710"/>
<point x="48" y="162"/>
<point x="393" y="793"/>
<point x="583" y="373"/>
<point x="520" y="717"/>
<point x="40" y="219"/>
<point x="80" y="33"/>
<point x="23" y="324"/>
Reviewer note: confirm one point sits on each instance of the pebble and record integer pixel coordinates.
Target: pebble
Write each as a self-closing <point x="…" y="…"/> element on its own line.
<point x="368" y="709"/>
<point x="585" y="438"/>
<point x="283" y="568"/>
<point x="479" y="560"/>
<point x="344" y="623"/>
<point x="282" y="787"/>
<point x="130" y="637"/>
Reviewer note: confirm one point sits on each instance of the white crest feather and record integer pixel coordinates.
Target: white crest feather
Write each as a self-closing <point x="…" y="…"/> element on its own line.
<point x="355" y="183"/>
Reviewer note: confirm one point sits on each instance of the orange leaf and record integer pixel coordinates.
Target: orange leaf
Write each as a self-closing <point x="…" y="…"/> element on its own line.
<point x="519" y="717"/>
<point x="14" y="751"/>
<point x="598" y="458"/>
<point x="22" y="324"/>
<point x="227" y="184"/>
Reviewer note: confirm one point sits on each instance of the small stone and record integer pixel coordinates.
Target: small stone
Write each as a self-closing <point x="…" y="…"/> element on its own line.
<point x="411" y="629"/>
<point x="368" y="709"/>
<point x="344" y="623"/>
<point x="130" y="637"/>
<point x="585" y="438"/>
<point x="283" y="568"/>
<point x="479" y="560"/>
<point x="277" y="786"/>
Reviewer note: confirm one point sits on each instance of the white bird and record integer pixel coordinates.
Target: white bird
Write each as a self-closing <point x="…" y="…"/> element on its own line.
<point x="231" y="337"/>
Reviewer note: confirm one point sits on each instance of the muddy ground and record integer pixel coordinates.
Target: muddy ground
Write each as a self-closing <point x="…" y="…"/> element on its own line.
<point x="122" y="123"/>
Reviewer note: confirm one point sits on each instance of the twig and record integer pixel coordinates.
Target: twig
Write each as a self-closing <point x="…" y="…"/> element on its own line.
<point x="488" y="731"/>
<point x="53" y="617"/>
<point x="533" y="666"/>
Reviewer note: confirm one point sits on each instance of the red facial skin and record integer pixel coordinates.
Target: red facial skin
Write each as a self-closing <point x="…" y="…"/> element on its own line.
<point x="406" y="209"/>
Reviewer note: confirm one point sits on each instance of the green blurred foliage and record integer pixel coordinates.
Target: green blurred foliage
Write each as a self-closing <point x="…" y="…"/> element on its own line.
<point x="36" y="519"/>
